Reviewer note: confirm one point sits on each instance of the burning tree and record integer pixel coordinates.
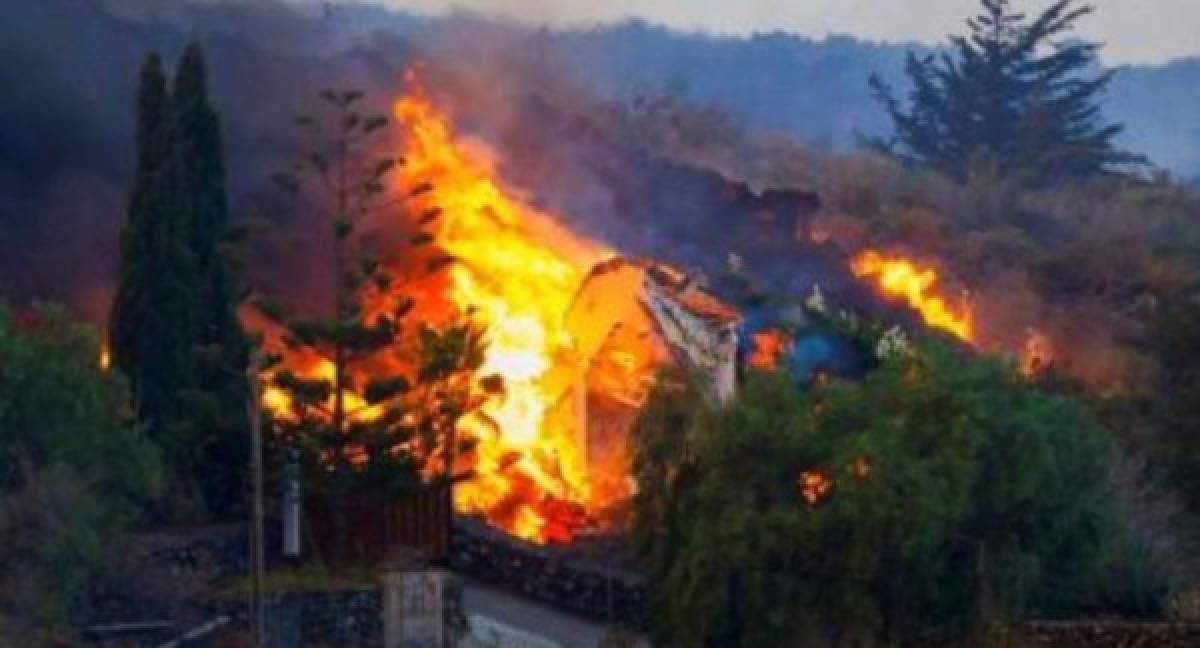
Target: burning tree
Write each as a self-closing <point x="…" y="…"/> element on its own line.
<point x="371" y="405"/>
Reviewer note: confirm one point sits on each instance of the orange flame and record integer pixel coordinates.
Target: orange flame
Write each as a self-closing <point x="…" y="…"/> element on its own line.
<point x="813" y="486"/>
<point x="902" y="278"/>
<point x="768" y="347"/>
<point x="1037" y="354"/>
<point x="517" y="271"/>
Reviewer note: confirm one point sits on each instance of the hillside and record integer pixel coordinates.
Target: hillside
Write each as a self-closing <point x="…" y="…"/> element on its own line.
<point x="812" y="88"/>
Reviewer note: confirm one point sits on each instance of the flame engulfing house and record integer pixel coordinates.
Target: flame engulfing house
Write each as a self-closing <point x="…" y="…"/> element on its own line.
<point x="574" y="333"/>
<point x="630" y="319"/>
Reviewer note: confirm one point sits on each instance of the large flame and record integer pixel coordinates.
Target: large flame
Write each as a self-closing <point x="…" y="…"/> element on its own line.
<point x="902" y="278"/>
<point x="552" y="338"/>
<point x="517" y="271"/>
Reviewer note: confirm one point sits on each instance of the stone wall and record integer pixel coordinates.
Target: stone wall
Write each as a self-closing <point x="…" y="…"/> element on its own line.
<point x="180" y="564"/>
<point x="547" y="575"/>
<point x="161" y="577"/>
<point x="1109" y="634"/>
<point x="345" y="618"/>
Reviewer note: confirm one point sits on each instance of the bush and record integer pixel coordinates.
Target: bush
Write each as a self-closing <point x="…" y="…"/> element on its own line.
<point x="74" y="471"/>
<point x="938" y="494"/>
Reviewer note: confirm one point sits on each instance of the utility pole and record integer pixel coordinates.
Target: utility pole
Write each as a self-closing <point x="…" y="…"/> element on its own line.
<point x="257" y="540"/>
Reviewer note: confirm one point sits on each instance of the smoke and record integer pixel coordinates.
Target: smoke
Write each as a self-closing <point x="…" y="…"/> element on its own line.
<point x="66" y="158"/>
<point x="70" y="67"/>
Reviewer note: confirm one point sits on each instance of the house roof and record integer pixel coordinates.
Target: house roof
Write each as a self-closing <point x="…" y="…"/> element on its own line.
<point x="685" y="290"/>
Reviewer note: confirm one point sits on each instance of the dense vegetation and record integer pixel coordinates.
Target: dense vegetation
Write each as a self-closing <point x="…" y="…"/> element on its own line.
<point x="75" y="469"/>
<point x="968" y="523"/>
<point x="939" y="492"/>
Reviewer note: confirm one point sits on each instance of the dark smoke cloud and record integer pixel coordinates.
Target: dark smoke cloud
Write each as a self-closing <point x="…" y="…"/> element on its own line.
<point x="65" y="157"/>
<point x="69" y="68"/>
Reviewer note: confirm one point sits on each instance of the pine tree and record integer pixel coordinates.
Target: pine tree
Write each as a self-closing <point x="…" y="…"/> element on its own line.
<point x="1013" y="94"/>
<point x="361" y="429"/>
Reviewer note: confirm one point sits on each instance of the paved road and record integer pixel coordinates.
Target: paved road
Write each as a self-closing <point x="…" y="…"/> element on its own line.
<point x="555" y="627"/>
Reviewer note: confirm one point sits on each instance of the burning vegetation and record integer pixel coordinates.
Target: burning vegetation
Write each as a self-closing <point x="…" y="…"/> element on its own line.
<point x="499" y="353"/>
<point x="571" y="335"/>
<point x="898" y="277"/>
<point x="516" y="271"/>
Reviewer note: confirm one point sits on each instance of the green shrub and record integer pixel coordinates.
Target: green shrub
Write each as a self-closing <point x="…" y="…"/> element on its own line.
<point x="74" y="471"/>
<point x="939" y="494"/>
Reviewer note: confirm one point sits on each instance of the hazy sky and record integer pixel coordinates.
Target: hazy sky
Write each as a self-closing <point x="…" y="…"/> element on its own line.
<point x="1135" y="30"/>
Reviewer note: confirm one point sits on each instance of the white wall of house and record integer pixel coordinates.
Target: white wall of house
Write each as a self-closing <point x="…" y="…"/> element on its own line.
<point x="710" y="347"/>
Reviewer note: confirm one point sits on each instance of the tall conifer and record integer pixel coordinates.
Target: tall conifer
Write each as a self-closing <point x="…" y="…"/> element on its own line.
<point x="218" y="358"/>
<point x="152" y="296"/>
<point x="131" y="303"/>
<point x="1014" y="93"/>
<point x="173" y="326"/>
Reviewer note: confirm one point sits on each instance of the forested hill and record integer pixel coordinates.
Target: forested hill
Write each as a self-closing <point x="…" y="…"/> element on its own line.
<point x="815" y="88"/>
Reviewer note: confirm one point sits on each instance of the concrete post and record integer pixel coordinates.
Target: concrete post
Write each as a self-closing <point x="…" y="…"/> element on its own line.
<point x="422" y="608"/>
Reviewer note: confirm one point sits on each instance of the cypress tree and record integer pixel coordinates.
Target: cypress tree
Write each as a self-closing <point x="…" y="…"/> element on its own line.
<point x="173" y="327"/>
<point x="131" y="304"/>
<point x="217" y="398"/>
<point x="1012" y="93"/>
<point x="151" y="297"/>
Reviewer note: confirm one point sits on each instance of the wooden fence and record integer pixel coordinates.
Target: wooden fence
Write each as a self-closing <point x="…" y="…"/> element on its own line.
<point x="376" y="528"/>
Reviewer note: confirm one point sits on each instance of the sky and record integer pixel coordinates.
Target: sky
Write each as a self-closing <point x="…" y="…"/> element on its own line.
<point x="1134" y="31"/>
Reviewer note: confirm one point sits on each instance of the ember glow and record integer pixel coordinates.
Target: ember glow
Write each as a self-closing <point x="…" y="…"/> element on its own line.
<point x="898" y="277"/>
<point x="767" y="348"/>
<point x="1037" y="354"/>
<point x="517" y="271"/>
<point x="813" y="486"/>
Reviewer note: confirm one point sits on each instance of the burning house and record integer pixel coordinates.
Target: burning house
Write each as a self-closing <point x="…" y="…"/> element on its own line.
<point x="629" y="320"/>
<point x="575" y="332"/>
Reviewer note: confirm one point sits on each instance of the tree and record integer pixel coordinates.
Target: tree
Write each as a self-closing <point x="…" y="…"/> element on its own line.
<point x="1014" y="96"/>
<point x="173" y="325"/>
<point x="378" y="418"/>
<point x="150" y="322"/>
<point x="75" y="470"/>
<point x="938" y="493"/>
<point x="214" y="429"/>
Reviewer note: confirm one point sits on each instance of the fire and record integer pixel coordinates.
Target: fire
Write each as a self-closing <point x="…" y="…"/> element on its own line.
<point x="517" y="271"/>
<point x="813" y="486"/>
<point x="105" y="359"/>
<point x="900" y="277"/>
<point x="1037" y="354"/>
<point x="551" y="338"/>
<point x="768" y="347"/>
